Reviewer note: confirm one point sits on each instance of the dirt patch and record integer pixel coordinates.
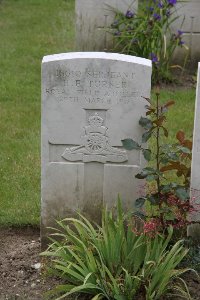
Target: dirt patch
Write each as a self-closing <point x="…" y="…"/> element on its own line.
<point x="21" y="275"/>
<point x="20" y="265"/>
<point x="180" y="81"/>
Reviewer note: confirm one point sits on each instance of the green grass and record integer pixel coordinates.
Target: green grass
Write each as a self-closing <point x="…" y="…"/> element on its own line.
<point x="30" y="29"/>
<point x="181" y="115"/>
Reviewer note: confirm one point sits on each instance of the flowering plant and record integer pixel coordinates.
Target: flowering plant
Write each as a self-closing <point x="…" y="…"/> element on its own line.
<point x="148" y="34"/>
<point x="169" y="201"/>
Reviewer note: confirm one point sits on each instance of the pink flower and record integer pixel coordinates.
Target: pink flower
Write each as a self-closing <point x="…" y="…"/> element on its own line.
<point x="152" y="227"/>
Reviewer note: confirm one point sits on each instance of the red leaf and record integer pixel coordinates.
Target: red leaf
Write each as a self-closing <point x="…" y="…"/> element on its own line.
<point x="160" y="121"/>
<point x="180" y="136"/>
<point x="188" y="144"/>
<point x="169" y="103"/>
<point x="167" y="168"/>
<point x="174" y="166"/>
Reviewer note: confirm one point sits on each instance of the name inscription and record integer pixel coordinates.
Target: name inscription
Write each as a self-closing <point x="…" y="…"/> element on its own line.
<point x="93" y="86"/>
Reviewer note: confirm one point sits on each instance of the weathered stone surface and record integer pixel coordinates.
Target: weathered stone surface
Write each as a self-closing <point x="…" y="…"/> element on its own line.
<point x="92" y="19"/>
<point x="193" y="42"/>
<point x="194" y="230"/>
<point x="189" y="23"/>
<point x="90" y="102"/>
<point x="189" y="16"/>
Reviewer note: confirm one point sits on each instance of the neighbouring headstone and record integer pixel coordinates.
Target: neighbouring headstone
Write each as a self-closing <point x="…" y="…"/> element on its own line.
<point x="93" y="17"/>
<point x="90" y="102"/>
<point x="189" y="23"/>
<point x="194" y="230"/>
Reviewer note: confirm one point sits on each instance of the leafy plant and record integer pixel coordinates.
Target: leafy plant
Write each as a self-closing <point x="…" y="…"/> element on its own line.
<point x="192" y="259"/>
<point x="148" y="34"/>
<point x="170" y="200"/>
<point x="112" y="262"/>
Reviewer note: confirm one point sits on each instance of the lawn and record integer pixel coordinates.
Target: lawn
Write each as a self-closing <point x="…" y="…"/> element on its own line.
<point x="28" y="31"/>
<point x="181" y="115"/>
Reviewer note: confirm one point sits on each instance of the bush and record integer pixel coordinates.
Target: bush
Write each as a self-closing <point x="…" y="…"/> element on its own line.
<point x="111" y="262"/>
<point x="169" y="202"/>
<point x="148" y="34"/>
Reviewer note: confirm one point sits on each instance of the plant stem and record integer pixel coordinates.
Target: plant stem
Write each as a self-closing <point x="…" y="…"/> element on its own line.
<point x="158" y="159"/>
<point x="157" y="144"/>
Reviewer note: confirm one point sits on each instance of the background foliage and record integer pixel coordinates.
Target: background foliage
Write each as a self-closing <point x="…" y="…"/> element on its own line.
<point x="147" y="33"/>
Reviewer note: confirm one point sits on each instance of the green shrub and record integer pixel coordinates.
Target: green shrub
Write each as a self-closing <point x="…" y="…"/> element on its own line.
<point x="168" y="201"/>
<point x="111" y="262"/>
<point x="148" y="34"/>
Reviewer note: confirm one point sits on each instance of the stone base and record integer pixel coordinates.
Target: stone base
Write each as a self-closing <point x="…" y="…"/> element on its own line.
<point x="194" y="232"/>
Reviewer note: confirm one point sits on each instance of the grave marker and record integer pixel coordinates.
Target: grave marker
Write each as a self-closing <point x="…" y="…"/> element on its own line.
<point x="92" y="19"/>
<point x="194" y="230"/>
<point x="189" y="23"/>
<point x="90" y="102"/>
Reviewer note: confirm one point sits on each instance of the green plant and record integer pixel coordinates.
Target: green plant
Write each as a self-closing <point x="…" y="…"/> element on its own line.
<point x="148" y="34"/>
<point x="192" y="259"/>
<point x="111" y="262"/>
<point x="170" y="200"/>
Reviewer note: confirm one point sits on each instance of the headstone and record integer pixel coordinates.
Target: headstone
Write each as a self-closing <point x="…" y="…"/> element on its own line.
<point x="189" y="23"/>
<point x="194" y="230"/>
<point x="90" y="102"/>
<point x="93" y="17"/>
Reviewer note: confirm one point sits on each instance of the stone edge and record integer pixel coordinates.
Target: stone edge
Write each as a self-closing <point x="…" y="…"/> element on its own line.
<point x="97" y="55"/>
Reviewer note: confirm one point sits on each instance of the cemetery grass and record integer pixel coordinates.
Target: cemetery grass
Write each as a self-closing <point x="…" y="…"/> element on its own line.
<point x="28" y="31"/>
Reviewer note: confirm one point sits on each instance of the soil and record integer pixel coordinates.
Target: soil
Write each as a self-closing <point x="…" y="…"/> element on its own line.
<point x="22" y="269"/>
<point x="21" y="275"/>
<point x="181" y="81"/>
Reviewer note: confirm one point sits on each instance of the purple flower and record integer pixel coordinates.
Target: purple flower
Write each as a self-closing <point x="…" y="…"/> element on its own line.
<point x="134" y="41"/>
<point x="180" y="32"/>
<point x="154" y="58"/>
<point x="150" y="8"/>
<point x="180" y="43"/>
<point x="157" y="17"/>
<point x="115" y="24"/>
<point x="129" y="14"/>
<point x="172" y="2"/>
<point x="117" y="33"/>
<point x="160" y="5"/>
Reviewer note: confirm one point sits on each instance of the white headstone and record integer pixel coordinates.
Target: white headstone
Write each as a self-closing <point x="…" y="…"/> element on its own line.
<point x="194" y="230"/>
<point x="93" y="17"/>
<point x="189" y="23"/>
<point x="90" y="102"/>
